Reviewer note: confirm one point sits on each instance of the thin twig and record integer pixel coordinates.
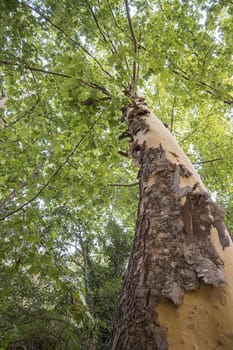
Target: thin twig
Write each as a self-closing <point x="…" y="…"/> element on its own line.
<point x="32" y="72"/>
<point x="92" y="30"/>
<point x="14" y="192"/>
<point x="97" y="22"/>
<point x="211" y="90"/>
<point x="208" y="161"/>
<point x="124" y="185"/>
<point x="57" y="171"/>
<point x="26" y="114"/>
<point x="115" y="22"/>
<point x="172" y="114"/>
<point x="121" y="30"/>
<point x="190" y="134"/>
<point x="206" y="123"/>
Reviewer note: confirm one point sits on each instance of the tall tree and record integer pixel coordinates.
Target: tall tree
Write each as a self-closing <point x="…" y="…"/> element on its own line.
<point x="67" y="69"/>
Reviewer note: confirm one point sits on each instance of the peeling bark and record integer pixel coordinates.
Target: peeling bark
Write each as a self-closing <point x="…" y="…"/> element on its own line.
<point x="172" y="251"/>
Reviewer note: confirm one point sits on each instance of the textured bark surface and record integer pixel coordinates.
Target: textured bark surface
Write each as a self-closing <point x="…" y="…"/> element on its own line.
<point x="172" y="251"/>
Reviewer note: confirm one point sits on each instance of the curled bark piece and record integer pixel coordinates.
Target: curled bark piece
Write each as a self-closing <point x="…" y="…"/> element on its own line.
<point x="173" y="292"/>
<point x="218" y="222"/>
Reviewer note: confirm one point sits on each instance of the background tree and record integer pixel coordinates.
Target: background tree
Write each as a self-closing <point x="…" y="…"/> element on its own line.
<point x="65" y="67"/>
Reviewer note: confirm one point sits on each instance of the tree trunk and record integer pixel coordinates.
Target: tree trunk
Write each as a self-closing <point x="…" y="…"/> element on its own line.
<point x="177" y="293"/>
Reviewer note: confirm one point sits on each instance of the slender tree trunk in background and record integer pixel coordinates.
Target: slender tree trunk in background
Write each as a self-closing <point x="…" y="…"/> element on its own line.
<point x="86" y="272"/>
<point x="178" y="292"/>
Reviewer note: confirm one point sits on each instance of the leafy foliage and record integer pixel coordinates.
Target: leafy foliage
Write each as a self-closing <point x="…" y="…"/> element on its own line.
<point x="67" y="67"/>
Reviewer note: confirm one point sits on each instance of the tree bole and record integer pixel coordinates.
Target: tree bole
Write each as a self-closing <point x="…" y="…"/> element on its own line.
<point x="176" y="293"/>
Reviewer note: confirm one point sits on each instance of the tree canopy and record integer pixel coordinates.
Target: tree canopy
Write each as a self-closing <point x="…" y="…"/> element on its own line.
<point x="68" y="198"/>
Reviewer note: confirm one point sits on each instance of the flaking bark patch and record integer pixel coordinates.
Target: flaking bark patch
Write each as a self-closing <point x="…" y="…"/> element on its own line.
<point x="172" y="251"/>
<point x="190" y="256"/>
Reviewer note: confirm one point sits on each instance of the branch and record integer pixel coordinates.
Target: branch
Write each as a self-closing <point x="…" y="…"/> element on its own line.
<point x="97" y="22"/>
<point x="105" y="35"/>
<point x="135" y="65"/>
<point x="172" y="114"/>
<point x="131" y="26"/>
<point x="96" y="86"/>
<point x="41" y="70"/>
<point x="124" y="185"/>
<point x="93" y="101"/>
<point x="57" y="171"/>
<point x="208" y="161"/>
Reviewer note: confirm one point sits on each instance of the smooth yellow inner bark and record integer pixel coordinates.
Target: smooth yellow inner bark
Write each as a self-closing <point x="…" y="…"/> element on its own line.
<point x="204" y="321"/>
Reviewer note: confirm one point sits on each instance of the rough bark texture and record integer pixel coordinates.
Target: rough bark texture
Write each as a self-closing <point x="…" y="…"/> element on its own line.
<point x="172" y="251"/>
